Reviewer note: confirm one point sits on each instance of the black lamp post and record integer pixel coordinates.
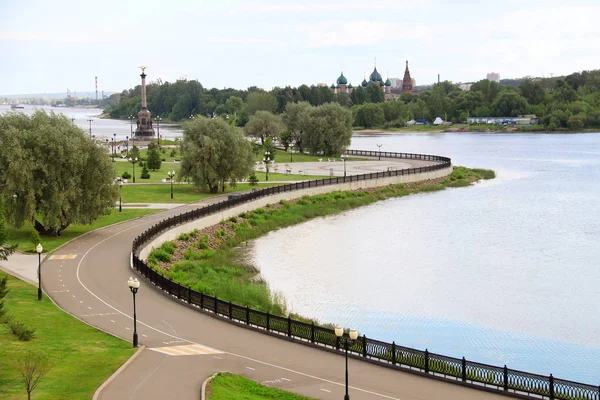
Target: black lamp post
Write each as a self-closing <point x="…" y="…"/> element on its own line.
<point x="171" y="176"/>
<point x="90" y="121"/>
<point x="134" y="285"/>
<point x="120" y="193"/>
<point x="157" y="119"/>
<point x="344" y="156"/>
<point x="379" y="145"/>
<point x="131" y="125"/>
<point x="133" y="161"/>
<point x="291" y="152"/>
<point x="39" y="250"/>
<point x="114" y="149"/>
<point x="126" y="146"/>
<point x="73" y="121"/>
<point x="348" y="341"/>
<point x="267" y="161"/>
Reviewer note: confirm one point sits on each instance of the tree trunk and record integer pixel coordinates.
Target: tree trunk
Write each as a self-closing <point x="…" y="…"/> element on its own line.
<point x="214" y="189"/>
<point x="48" y="232"/>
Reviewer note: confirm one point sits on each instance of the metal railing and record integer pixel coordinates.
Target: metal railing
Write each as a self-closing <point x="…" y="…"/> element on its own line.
<point x="466" y="372"/>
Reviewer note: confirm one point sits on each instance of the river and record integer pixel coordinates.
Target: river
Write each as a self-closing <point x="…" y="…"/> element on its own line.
<point x="503" y="272"/>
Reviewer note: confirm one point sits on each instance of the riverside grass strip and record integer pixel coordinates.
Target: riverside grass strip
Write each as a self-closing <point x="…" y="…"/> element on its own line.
<point x="209" y="261"/>
<point x="226" y="386"/>
<point x="81" y="356"/>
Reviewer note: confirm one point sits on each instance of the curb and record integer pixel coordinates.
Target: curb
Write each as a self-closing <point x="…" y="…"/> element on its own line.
<point x="117" y="372"/>
<point x="203" y="391"/>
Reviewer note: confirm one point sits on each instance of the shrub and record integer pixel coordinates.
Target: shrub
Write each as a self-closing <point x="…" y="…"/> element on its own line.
<point x="173" y="153"/>
<point x="220" y="233"/>
<point x="145" y="174"/>
<point x="126" y="175"/>
<point x="20" y="330"/>
<point x="184" y="236"/>
<point x="34" y="238"/>
<point x="252" y="179"/>
<point x="233" y="219"/>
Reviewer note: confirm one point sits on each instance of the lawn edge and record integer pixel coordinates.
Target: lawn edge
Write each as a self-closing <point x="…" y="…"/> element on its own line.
<point x="205" y="383"/>
<point x="118" y="372"/>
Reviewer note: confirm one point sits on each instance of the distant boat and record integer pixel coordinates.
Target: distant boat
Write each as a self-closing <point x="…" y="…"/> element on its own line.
<point x="14" y="106"/>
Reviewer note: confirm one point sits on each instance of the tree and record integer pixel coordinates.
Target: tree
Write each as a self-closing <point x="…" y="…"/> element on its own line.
<point x="358" y="95"/>
<point x="154" y="159"/>
<point x="260" y="101"/>
<point x="293" y="118"/>
<point x="3" y="293"/>
<point x="262" y="125"/>
<point x="252" y="179"/>
<point x="509" y="104"/>
<point x="5" y="249"/>
<point x="533" y="92"/>
<point x="368" y="115"/>
<point x="234" y="105"/>
<point x="32" y="368"/>
<point x="214" y="153"/>
<point x="374" y="94"/>
<point x="145" y="174"/>
<point x="52" y="173"/>
<point x="328" y="129"/>
<point x="134" y="152"/>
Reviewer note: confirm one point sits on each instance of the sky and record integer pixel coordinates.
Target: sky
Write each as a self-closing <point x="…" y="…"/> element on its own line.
<point x="49" y="46"/>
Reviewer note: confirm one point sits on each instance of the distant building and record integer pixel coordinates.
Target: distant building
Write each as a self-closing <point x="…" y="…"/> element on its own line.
<point x="342" y="86"/>
<point x="320" y="84"/>
<point x="396" y="82"/>
<point x="465" y="86"/>
<point x="504" y="120"/>
<point x="493" y="76"/>
<point x="407" y="82"/>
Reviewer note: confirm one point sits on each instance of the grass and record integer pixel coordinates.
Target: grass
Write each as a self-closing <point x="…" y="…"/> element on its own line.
<point x="211" y="261"/>
<point x="81" y="356"/>
<point x="283" y="157"/>
<point x="182" y="193"/>
<point x="22" y="236"/>
<point x="155" y="176"/>
<point x="227" y="386"/>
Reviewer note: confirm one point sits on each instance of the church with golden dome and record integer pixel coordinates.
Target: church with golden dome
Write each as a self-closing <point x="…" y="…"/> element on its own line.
<point x="342" y="86"/>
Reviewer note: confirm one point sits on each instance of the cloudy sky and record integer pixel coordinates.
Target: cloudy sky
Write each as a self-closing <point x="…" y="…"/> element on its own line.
<point x="49" y="46"/>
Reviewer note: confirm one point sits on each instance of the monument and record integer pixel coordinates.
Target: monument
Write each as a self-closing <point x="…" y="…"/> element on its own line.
<point x="144" y="118"/>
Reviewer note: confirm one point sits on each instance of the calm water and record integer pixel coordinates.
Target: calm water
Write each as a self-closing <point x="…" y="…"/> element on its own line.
<point x="101" y="128"/>
<point x="503" y="272"/>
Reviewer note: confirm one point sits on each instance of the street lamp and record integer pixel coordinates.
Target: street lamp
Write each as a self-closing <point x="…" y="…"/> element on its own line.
<point x="157" y="119"/>
<point x="131" y="124"/>
<point x="291" y="152"/>
<point x="90" y="121"/>
<point x="379" y="145"/>
<point x="171" y="176"/>
<point x="127" y="146"/>
<point x="133" y="161"/>
<point x="134" y="285"/>
<point x="267" y="161"/>
<point x="73" y="121"/>
<point x="348" y="341"/>
<point x="39" y="250"/>
<point x="120" y="193"/>
<point x="114" y="149"/>
<point x="344" y="156"/>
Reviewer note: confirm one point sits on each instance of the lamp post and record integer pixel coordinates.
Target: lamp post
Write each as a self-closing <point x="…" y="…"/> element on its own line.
<point x="379" y="145"/>
<point x="39" y="250"/>
<point x="291" y="152"/>
<point x="267" y="161"/>
<point x="120" y="193"/>
<point x="133" y="161"/>
<point x="171" y="176"/>
<point x="90" y="121"/>
<point x="114" y="149"/>
<point x="126" y="146"/>
<point x="134" y="285"/>
<point x="131" y="125"/>
<point x="73" y="121"/>
<point x="157" y="119"/>
<point x="344" y="156"/>
<point x="348" y="341"/>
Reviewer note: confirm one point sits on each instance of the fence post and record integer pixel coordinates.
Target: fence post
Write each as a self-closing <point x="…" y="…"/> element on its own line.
<point x="247" y="315"/>
<point x="312" y="332"/>
<point x="202" y="300"/>
<point x="189" y="295"/>
<point x="505" y="377"/>
<point x="216" y="309"/>
<point x="394" y="353"/>
<point x="178" y="290"/>
<point x="551" y="387"/>
<point x="289" y="326"/>
<point x="268" y="322"/>
<point x="464" y="369"/>
<point x="364" y="345"/>
<point x="426" y="360"/>
<point x="337" y="342"/>
<point x="230" y="311"/>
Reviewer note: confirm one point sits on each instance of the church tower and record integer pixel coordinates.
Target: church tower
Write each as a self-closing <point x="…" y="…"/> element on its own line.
<point x="144" y="118"/>
<point x="407" y="86"/>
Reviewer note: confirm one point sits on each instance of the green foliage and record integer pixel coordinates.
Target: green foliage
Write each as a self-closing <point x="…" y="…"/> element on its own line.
<point x="260" y="101"/>
<point x="368" y="115"/>
<point x="214" y="153"/>
<point x="263" y="125"/>
<point x="173" y="153"/>
<point x="145" y="174"/>
<point x="226" y="386"/>
<point x="252" y="179"/>
<point x="134" y="152"/>
<point x="327" y="129"/>
<point x="126" y="175"/>
<point x="34" y="238"/>
<point x="19" y="329"/>
<point x="38" y="151"/>
<point x="154" y="159"/>
<point x="3" y="292"/>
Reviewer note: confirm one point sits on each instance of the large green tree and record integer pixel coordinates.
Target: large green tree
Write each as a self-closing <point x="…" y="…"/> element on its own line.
<point x="368" y="115"/>
<point x="5" y="249"/>
<point x="509" y="104"/>
<point x="154" y="159"/>
<point x="328" y="129"/>
<point x="214" y="153"/>
<point x="293" y="118"/>
<point x="262" y="125"/>
<point x="260" y="101"/>
<point x="52" y="173"/>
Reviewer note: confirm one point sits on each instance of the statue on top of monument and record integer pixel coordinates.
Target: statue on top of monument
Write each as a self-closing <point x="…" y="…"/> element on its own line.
<point x="143" y="69"/>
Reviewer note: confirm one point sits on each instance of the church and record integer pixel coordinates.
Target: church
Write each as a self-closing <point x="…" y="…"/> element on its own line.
<point x="342" y="86"/>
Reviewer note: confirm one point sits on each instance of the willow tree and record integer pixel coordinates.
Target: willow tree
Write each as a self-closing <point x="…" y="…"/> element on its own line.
<point x="214" y="153"/>
<point x="52" y="174"/>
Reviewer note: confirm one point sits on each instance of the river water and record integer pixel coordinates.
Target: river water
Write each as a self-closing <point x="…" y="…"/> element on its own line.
<point x="503" y="272"/>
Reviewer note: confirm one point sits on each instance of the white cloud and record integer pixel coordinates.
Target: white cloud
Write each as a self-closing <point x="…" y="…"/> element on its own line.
<point x="75" y="37"/>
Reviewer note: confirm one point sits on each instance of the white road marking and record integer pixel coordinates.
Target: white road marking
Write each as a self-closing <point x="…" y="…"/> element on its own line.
<point x="325" y="390"/>
<point x="220" y="358"/>
<point x="286" y="379"/>
<point x="112" y="321"/>
<point x="144" y="335"/>
<point x="58" y="291"/>
<point x="73" y="296"/>
<point x="128" y="328"/>
<point x="89" y="308"/>
<point x="250" y="368"/>
<point x="81" y="301"/>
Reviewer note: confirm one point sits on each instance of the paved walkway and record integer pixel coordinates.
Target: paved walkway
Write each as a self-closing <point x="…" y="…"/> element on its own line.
<point x="185" y="346"/>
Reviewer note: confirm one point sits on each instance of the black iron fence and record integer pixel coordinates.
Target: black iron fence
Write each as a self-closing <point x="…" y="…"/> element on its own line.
<point x="457" y="370"/>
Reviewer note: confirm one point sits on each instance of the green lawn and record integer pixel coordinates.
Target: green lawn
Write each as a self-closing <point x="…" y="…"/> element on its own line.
<point x="81" y="356"/>
<point x="283" y="157"/>
<point x="22" y="235"/>
<point x="227" y="386"/>
<point x="155" y="176"/>
<point x="182" y="193"/>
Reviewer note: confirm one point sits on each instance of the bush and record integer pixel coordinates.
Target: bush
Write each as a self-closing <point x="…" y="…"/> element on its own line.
<point x="173" y="153"/>
<point x="20" y="330"/>
<point x="252" y="179"/>
<point x="184" y="237"/>
<point x="34" y="238"/>
<point x="126" y="175"/>
<point x="145" y="174"/>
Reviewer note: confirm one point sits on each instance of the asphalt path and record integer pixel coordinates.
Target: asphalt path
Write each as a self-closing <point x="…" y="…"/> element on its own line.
<point x="185" y="346"/>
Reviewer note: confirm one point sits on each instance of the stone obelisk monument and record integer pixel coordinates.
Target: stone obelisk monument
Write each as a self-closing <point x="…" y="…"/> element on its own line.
<point x="144" y="119"/>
